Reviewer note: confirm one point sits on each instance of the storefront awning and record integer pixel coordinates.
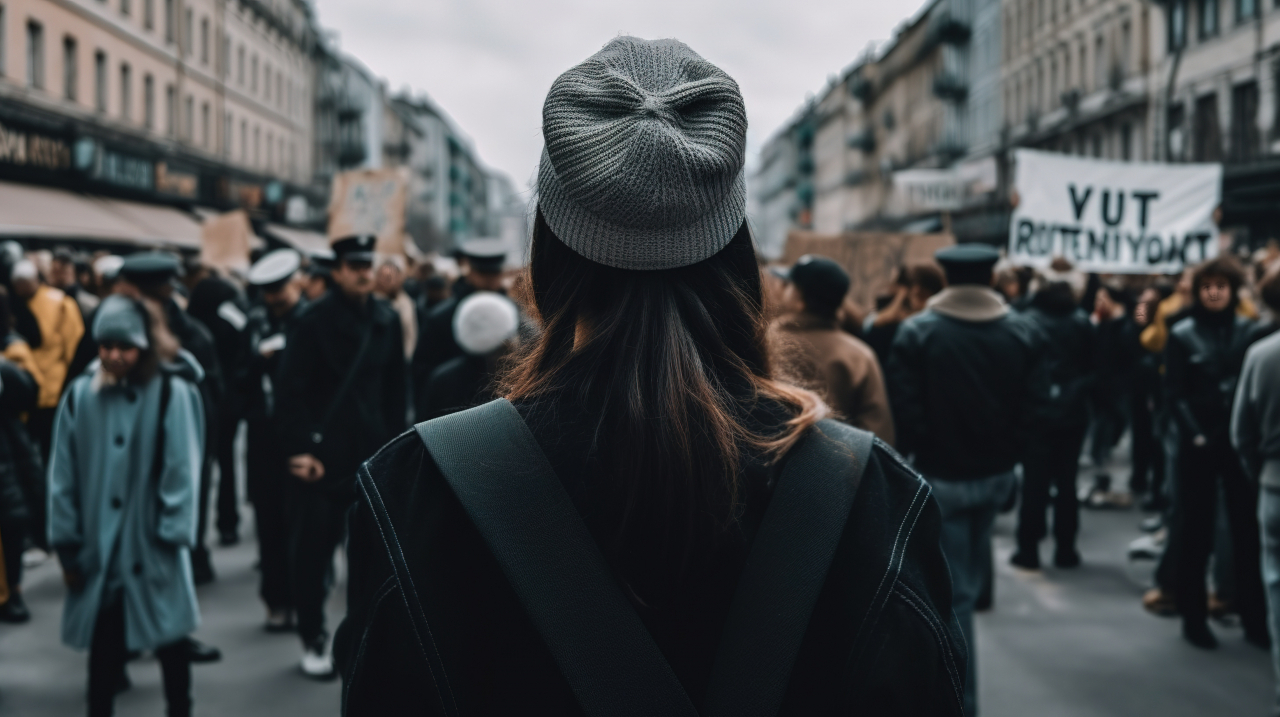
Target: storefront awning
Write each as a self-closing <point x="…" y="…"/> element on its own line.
<point x="308" y="242"/>
<point x="44" y="212"/>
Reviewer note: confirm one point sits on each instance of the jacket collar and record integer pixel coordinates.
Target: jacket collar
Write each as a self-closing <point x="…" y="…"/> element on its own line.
<point x="806" y="322"/>
<point x="969" y="302"/>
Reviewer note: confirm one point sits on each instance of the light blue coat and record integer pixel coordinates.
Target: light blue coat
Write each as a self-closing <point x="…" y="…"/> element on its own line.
<point x="101" y="498"/>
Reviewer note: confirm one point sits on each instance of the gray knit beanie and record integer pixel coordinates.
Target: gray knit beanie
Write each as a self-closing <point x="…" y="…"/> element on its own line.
<point x="644" y="160"/>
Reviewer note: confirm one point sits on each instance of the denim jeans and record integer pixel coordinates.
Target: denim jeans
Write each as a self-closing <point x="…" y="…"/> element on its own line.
<point x="1269" y="521"/>
<point x="969" y="509"/>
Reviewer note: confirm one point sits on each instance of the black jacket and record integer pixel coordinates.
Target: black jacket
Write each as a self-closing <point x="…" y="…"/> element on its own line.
<point x="317" y="359"/>
<point x="881" y="640"/>
<point x="21" y="469"/>
<point x="1203" y="359"/>
<point x="257" y="381"/>
<point x="1070" y="347"/>
<point x="436" y="344"/>
<point x="220" y="307"/>
<point x="964" y="392"/>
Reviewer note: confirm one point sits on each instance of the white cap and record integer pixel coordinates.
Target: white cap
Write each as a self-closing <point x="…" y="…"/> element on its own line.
<point x="484" y="321"/>
<point x="274" y="267"/>
<point x="24" y="269"/>
<point x="108" y="266"/>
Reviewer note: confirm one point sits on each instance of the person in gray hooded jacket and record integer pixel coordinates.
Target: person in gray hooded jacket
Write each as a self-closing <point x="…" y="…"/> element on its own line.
<point x="127" y="451"/>
<point x="1255" y="433"/>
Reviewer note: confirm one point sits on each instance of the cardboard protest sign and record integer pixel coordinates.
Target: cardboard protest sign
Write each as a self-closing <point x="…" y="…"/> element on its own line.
<point x="871" y="258"/>
<point x="370" y="201"/>
<point x="225" y="241"/>
<point x="1113" y="217"/>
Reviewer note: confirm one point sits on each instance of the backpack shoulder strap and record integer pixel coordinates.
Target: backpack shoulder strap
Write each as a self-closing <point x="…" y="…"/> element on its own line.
<point x="530" y="525"/>
<point x="786" y="569"/>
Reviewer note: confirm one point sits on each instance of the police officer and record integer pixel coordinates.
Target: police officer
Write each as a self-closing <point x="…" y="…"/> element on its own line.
<point x="482" y="261"/>
<point x="340" y="397"/>
<point x="150" y="275"/>
<point x="270" y="321"/>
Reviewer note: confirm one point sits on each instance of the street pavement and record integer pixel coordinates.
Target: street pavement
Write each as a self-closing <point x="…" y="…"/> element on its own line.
<point x="1058" y="643"/>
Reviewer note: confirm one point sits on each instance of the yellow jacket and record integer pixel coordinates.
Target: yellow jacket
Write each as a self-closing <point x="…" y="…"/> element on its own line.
<point x="20" y="353"/>
<point x="1156" y="335"/>
<point x="61" y="329"/>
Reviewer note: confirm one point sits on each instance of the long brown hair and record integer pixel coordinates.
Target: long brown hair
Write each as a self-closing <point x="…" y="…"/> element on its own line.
<point x="669" y="365"/>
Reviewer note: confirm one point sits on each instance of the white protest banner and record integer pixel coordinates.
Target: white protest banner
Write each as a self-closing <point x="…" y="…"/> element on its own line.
<point x="1113" y="217"/>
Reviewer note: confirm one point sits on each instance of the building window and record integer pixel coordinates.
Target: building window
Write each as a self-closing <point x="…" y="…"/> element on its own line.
<point x="1099" y="64"/>
<point x="170" y="110"/>
<point x="3" y="45"/>
<point x="244" y="141"/>
<point x="226" y="58"/>
<point x="170" y="21"/>
<point x="253" y="74"/>
<point x="1083" y="69"/>
<point x="270" y="144"/>
<point x="1177" y="24"/>
<point x="148" y="102"/>
<point x="190" y="117"/>
<point x="189" y="36"/>
<point x="148" y="14"/>
<point x="124" y="7"/>
<point x="1097" y="145"/>
<point x="266" y="84"/>
<point x="1207" y="143"/>
<point x="204" y="40"/>
<point x="257" y="147"/>
<point x="204" y="125"/>
<point x="1246" y="10"/>
<point x="1126" y="142"/>
<point x="1177" y="133"/>
<point x="240" y="65"/>
<point x="35" y="55"/>
<point x="100" y="80"/>
<point x="126" y="92"/>
<point x="1208" y="18"/>
<point x="279" y="89"/>
<point x="69" y="79"/>
<point x="226" y="135"/>
<point x="1126" y="48"/>
<point x="1245" y="139"/>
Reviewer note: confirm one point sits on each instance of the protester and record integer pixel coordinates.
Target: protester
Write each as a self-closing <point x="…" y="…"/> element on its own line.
<point x="817" y="355"/>
<point x="1146" y="479"/>
<point x="22" y="490"/>
<point x="914" y="285"/>
<point x="485" y="326"/>
<point x="220" y="306"/>
<point x="270" y="322"/>
<point x="63" y="275"/>
<point x="317" y="280"/>
<point x="1255" y="434"/>
<point x="388" y="283"/>
<point x="152" y="275"/>
<point x="58" y="328"/>
<point x="122" y="507"/>
<point x="1058" y="432"/>
<point x="1113" y="367"/>
<point x="649" y="399"/>
<point x="1203" y="360"/>
<point x="482" y="261"/>
<point x="341" y="395"/>
<point x="961" y="380"/>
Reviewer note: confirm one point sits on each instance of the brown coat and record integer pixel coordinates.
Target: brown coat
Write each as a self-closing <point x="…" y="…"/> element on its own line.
<point x="814" y="354"/>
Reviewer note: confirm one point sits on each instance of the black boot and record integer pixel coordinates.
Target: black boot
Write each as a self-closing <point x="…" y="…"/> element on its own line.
<point x="15" y="610"/>
<point x="1198" y="633"/>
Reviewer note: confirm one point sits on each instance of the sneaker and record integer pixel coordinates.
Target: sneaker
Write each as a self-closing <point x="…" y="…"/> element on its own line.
<point x="317" y="663"/>
<point x="200" y="653"/>
<point x="1159" y="603"/>
<point x="1199" y="635"/>
<point x="1026" y="559"/>
<point x="279" y="621"/>
<point x="15" y="609"/>
<point x="1147" y="547"/>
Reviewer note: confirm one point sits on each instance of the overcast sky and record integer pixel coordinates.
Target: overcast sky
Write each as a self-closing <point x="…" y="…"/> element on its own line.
<point x="489" y="63"/>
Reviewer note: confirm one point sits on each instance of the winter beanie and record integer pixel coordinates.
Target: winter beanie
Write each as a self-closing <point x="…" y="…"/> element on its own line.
<point x="643" y="166"/>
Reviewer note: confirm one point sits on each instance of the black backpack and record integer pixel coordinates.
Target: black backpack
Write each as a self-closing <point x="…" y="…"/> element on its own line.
<point x="604" y="651"/>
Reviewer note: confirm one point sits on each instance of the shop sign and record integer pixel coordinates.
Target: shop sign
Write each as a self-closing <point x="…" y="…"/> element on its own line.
<point x="25" y="148"/>
<point x="176" y="181"/>
<point x="104" y="163"/>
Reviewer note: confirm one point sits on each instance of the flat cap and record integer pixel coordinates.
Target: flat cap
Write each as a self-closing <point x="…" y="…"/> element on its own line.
<point x="274" y="268"/>
<point x="149" y="267"/>
<point x="643" y="166"/>
<point x="970" y="255"/>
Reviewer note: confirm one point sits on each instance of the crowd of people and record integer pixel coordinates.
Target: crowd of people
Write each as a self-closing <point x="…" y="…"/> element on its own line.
<point x="608" y="536"/>
<point x="123" y="384"/>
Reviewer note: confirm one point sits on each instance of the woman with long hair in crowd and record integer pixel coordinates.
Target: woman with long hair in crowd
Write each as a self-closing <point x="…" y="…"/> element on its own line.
<point x="648" y="401"/>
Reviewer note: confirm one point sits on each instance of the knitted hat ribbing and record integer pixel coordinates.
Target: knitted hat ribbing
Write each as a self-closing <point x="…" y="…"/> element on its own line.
<point x="644" y="160"/>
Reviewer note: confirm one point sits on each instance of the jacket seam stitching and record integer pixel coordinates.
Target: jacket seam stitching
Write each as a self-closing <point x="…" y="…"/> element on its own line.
<point x="894" y="566"/>
<point x="912" y="600"/>
<point x="381" y="594"/>
<point x="409" y="595"/>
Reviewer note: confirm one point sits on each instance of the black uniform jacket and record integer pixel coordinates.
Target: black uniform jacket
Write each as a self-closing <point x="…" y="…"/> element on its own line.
<point x="964" y="392"/>
<point x="1203" y="359"/>
<point x="318" y="357"/>
<point x="1070" y="352"/>
<point x="881" y="640"/>
<point x="257" y="382"/>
